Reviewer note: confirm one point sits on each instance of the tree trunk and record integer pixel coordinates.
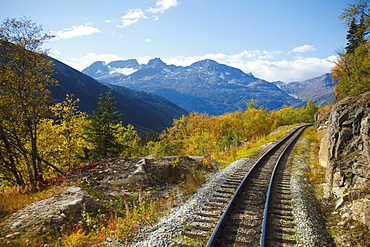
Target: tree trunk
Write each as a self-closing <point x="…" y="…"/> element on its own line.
<point x="36" y="163"/>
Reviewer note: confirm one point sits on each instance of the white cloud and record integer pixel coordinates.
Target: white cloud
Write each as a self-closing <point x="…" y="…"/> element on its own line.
<point x="303" y="48"/>
<point x="144" y="60"/>
<point x="131" y="17"/>
<point x="76" y="31"/>
<point x="147" y="40"/>
<point x="134" y="15"/>
<point x="54" y="52"/>
<point x="162" y="6"/>
<point x="266" y="64"/>
<point x="289" y="70"/>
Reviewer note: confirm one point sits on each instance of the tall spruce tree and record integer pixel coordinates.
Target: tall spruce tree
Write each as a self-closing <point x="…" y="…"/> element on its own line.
<point x="104" y="129"/>
<point x="356" y="34"/>
<point x="352" y="70"/>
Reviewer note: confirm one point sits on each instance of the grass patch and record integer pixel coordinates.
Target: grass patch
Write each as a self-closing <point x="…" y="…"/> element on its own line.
<point x="252" y="147"/>
<point x="317" y="172"/>
<point x="187" y="241"/>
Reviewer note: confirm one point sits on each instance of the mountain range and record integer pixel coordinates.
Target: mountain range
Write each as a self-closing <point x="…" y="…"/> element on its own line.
<point x="147" y="112"/>
<point x="210" y="87"/>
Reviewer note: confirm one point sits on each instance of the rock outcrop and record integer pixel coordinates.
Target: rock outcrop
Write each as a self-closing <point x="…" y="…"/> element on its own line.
<point x="58" y="214"/>
<point x="345" y="152"/>
<point x="118" y="177"/>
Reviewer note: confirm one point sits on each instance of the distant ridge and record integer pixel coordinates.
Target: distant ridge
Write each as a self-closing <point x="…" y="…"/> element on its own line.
<point x="210" y="87"/>
<point x="320" y="89"/>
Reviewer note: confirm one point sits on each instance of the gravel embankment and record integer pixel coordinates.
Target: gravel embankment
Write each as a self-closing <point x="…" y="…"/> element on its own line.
<point x="169" y="226"/>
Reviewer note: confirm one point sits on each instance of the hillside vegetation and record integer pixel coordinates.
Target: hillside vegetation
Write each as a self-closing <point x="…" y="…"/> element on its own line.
<point x="351" y="73"/>
<point x="42" y="143"/>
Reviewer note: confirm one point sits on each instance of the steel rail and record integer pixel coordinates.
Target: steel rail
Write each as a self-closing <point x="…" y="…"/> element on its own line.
<point x="216" y="231"/>
<point x="268" y="195"/>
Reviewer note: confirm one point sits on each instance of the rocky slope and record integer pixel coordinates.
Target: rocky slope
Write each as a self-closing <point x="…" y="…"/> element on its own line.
<point x="345" y="152"/>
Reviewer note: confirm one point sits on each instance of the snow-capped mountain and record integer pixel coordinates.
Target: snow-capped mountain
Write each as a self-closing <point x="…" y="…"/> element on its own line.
<point x="205" y="86"/>
<point x="124" y="67"/>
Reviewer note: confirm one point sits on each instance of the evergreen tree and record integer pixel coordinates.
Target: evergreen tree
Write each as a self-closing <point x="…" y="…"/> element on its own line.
<point x="352" y="70"/>
<point x="358" y="10"/>
<point x="356" y="34"/>
<point x="104" y="129"/>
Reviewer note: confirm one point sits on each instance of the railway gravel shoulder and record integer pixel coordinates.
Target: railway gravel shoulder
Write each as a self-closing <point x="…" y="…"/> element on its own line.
<point x="310" y="226"/>
<point x="164" y="232"/>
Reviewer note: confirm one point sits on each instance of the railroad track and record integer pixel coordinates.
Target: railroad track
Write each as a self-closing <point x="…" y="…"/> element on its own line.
<point x="253" y="206"/>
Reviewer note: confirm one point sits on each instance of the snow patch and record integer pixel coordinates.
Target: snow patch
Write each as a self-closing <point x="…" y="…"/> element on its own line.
<point x="123" y="71"/>
<point x="99" y="72"/>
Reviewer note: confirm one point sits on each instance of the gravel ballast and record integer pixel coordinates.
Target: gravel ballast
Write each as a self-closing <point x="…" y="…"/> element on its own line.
<point x="171" y="225"/>
<point x="309" y="227"/>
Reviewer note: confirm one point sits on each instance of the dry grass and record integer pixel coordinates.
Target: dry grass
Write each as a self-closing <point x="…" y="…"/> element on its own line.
<point x="14" y="198"/>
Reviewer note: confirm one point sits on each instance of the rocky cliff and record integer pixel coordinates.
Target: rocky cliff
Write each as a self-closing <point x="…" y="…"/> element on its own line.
<point x="345" y="152"/>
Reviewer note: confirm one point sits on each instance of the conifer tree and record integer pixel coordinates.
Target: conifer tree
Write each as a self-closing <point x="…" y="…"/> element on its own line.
<point x="352" y="70"/>
<point x="104" y="129"/>
<point x="356" y="34"/>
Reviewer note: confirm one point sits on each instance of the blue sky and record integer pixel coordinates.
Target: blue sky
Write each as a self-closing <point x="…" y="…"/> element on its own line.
<point x="287" y="40"/>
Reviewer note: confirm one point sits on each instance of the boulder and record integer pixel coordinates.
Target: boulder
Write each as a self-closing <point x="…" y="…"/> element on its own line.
<point x="58" y="214"/>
